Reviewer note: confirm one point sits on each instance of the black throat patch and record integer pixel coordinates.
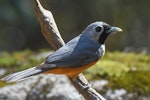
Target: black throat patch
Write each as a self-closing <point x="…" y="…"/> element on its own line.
<point x="103" y="37"/>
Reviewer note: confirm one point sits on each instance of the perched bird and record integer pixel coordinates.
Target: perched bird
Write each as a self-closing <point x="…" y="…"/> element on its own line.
<point x="75" y="56"/>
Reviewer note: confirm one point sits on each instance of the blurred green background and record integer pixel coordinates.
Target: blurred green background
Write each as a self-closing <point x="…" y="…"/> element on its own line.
<point x="19" y="28"/>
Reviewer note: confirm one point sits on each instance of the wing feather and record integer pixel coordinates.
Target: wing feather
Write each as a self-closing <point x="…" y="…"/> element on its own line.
<point x="76" y="53"/>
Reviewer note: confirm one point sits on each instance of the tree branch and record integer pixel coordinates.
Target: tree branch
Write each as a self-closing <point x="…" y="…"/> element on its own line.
<point x="48" y="26"/>
<point x="51" y="33"/>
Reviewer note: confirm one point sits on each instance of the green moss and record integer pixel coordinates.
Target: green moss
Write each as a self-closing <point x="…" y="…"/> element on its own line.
<point x="107" y="68"/>
<point x="137" y="81"/>
<point x="123" y="70"/>
<point x="19" y="59"/>
<point x="4" y="83"/>
<point x="6" y="60"/>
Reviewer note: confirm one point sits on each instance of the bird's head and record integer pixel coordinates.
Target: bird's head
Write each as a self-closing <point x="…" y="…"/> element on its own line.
<point x="99" y="31"/>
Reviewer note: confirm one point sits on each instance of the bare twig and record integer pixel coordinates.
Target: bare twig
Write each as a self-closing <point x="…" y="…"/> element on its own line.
<point x="48" y="26"/>
<point x="51" y="33"/>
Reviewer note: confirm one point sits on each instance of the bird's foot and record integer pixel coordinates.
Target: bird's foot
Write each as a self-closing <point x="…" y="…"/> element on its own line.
<point x="83" y="87"/>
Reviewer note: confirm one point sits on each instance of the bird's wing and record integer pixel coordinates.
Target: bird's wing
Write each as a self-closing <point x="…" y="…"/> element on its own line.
<point x="67" y="60"/>
<point x="70" y="55"/>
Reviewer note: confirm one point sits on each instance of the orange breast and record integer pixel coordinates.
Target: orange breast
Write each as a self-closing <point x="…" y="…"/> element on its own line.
<point x="69" y="71"/>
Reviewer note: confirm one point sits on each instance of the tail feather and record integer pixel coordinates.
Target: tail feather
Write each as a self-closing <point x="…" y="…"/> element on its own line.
<point x="22" y="74"/>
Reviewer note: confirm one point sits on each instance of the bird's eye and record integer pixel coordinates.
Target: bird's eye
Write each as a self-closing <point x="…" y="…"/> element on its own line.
<point x="98" y="29"/>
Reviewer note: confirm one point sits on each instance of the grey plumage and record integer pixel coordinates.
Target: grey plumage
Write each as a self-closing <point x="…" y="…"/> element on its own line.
<point x="22" y="74"/>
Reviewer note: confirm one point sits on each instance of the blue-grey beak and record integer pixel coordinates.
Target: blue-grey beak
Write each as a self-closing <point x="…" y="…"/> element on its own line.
<point x="114" y="30"/>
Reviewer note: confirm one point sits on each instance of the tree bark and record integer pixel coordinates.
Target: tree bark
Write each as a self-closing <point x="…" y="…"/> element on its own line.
<point x="51" y="33"/>
<point x="48" y="26"/>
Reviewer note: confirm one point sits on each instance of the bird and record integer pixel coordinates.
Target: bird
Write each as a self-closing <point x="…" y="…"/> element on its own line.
<point x="75" y="56"/>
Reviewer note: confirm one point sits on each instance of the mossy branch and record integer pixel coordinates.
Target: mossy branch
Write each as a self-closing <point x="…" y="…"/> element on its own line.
<point x="51" y="33"/>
